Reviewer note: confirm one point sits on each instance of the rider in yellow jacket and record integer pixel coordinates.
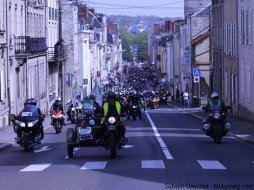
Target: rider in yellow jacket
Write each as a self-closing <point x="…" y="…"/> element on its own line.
<point x="112" y="108"/>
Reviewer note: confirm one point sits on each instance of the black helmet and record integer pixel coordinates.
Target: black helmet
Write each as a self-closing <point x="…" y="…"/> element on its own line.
<point x="92" y="97"/>
<point x="30" y="101"/>
<point x="111" y="95"/>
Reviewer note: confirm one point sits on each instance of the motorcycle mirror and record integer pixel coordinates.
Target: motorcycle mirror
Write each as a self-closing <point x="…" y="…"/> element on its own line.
<point x="12" y="117"/>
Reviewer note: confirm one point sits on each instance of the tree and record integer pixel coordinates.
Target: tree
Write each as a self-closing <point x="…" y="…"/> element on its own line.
<point x="141" y="40"/>
<point x="126" y="43"/>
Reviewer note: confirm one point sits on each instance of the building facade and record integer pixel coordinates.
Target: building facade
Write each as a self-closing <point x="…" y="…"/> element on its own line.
<point x="246" y="49"/>
<point x="4" y="64"/>
<point x="230" y="75"/>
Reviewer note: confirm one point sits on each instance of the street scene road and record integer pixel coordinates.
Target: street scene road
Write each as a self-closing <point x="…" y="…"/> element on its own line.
<point x="166" y="150"/>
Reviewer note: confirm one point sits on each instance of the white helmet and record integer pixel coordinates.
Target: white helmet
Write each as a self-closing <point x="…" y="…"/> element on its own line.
<point x="215" y="95"/>
<point x="58" y="100"/>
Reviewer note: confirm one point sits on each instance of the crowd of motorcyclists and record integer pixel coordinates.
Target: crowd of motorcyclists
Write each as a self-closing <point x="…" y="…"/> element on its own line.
<point x="139" y="91"/>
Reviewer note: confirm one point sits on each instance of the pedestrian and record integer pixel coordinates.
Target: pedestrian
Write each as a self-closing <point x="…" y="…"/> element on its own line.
<point x="182" y="100"/>
<point x="177" y="95"/>
<point x="186" y="98"/>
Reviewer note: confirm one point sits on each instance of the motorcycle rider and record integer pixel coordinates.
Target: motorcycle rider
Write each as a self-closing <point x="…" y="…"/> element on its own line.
<point x="112" y="107"/>
<point x="30" y="106"/>
<point x="134" y="99"/>
<point x="214" y="101"/>
<point x="57" y="105"/>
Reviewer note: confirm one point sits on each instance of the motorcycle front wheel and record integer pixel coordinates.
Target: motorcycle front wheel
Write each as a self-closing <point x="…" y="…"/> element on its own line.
<point x="26" y="143"/>
<point x="112" y="145"/>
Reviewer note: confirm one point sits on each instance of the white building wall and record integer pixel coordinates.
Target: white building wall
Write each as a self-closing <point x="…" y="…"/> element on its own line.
<point x="4" y="108"/>
<point x="16" y="27"/>
<point x="246" y="49"/>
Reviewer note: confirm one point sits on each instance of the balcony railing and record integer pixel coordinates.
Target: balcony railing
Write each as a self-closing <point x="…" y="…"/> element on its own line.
<point x="58" y="54"/>
<point x="25" y="45"/>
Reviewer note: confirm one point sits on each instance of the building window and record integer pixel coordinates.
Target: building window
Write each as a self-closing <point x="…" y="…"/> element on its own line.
<point x="2" y="81"/>
<point x="246" y="27"/>
<point x="226" y="84"/>
<point x="250" y="27"/>
<point x="56" y="14"/>
<point x="49" y="13"/>
<point x="248" y="83"/>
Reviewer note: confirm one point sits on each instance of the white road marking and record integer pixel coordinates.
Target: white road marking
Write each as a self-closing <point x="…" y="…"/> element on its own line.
<point x="45" y="148"/>
<point x="211" y="165"/>
<point x="162" y="144"/>
<point x="35" y="168"/>
<point x="94" y="165"/>
<point x="128" y="146"/>
<point x="152" y="164"/>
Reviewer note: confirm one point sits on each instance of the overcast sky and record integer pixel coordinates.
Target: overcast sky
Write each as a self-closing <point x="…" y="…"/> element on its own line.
<point x="161" y="8"/>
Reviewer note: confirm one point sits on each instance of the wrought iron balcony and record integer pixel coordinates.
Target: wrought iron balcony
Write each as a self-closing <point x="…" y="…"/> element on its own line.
<point x="25" y="45"/>
<point x="56" y="55"/>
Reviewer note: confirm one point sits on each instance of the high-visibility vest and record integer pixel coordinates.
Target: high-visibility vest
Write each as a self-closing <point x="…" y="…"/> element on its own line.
<point x="105" y="108"/>
<point x="211" y="103"/>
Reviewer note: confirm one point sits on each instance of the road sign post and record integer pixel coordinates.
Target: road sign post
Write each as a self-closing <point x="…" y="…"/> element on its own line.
<point x="196" y="77"/>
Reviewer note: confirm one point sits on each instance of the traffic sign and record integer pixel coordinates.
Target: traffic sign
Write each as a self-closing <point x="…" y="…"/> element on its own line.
<point x="196" y="79"/>
<point x="196" y="72"/>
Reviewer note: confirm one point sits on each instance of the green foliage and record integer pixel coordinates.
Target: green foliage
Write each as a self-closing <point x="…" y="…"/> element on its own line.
<point x="141" y="40"/>
<point x="126" y="43"/>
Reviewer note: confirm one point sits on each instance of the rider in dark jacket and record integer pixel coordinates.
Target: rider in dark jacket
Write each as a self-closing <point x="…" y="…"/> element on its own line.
<point x="35" y="112"/>
<point x="134" y="99"/>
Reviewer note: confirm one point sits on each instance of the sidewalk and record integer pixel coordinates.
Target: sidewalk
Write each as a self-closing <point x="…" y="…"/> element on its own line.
<point x="7" y="134"/>
<point x="241" y="129"/>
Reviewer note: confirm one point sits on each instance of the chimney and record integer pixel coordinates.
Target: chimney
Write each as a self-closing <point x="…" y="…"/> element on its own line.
<point x="156" y="27"/>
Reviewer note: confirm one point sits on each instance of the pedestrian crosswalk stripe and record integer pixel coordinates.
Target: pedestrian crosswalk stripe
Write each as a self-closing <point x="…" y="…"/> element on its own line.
<point x="152" y="164"/>
<point x="35" y="167"/>
<point x="211" y="164"/>
<point x="94" y="165"/>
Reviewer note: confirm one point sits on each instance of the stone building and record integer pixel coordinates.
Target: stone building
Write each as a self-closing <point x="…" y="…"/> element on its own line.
<point x="245" y="56"/>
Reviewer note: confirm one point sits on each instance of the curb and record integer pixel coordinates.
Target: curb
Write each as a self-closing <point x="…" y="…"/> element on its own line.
<point x="5" y="146"/>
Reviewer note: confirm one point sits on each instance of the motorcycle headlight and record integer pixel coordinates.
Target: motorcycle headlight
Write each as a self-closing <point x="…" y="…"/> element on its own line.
<point x="216" y="115"/>
<point x="134" y="107"/>
<point x="91" y="122"/>
<point x="20" y="123"/>
<point x="111" y="120"/>
<point x="31" y="124"/>
<point x="72" y="109"/>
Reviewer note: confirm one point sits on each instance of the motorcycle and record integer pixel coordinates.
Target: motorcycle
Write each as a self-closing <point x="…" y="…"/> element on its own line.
<point x="216" y="127"/>
<point x="134" y="111"/>
<point x="30" y="129"/>
<point x="86" y="134"/>
<point x="57" y="118"/>
<point x="78" y="111"/>
<point x="71" y="112"/>
<point x="153" y="103"/>
<point x="163" y="99"/>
